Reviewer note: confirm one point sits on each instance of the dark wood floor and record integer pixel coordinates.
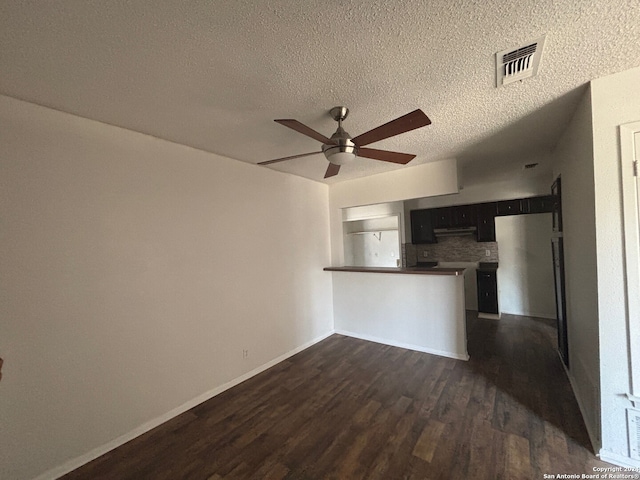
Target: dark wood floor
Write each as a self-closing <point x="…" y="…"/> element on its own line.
<point x="347" y="408"/>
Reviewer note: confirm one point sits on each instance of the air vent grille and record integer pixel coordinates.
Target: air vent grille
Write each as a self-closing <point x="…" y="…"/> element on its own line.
<point x="524" y="52"/>
<point x="518" y="63"/>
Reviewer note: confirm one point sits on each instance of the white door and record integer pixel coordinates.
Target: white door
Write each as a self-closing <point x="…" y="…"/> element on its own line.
<point x="630" y="149"/>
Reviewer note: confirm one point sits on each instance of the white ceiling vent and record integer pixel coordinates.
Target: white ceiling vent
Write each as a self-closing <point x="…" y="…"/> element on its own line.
<point x="518" y="63"/>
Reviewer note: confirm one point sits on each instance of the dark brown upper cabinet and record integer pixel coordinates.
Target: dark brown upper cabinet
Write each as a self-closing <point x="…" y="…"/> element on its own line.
<point x="510" y="207"/>
<point x="486" y="223"/>
<point x="456" y="216"/>
<point x="480" y="215"/>
<point x="463" y="216"/>
<point x="422" y="227"/>
<point x="519" y="206"/>
<point x="542" y="204"/>
<point x="443" y="217"/>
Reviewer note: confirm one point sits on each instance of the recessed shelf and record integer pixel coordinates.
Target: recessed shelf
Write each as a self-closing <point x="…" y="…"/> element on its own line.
<point x="377" y="230"/>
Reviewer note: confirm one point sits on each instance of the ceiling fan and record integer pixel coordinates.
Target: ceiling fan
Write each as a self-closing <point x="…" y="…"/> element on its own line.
<point x="341" y="148"/>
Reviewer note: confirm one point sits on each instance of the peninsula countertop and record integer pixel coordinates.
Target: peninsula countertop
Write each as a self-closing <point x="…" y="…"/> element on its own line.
<point x="401" y="270"/>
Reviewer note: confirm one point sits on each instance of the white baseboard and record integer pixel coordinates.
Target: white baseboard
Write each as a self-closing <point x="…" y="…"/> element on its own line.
<point x="77" y="462"/>
<point x="408" y="346"/>
<point x="548" y="316"/>
<point x="619" y="460"/>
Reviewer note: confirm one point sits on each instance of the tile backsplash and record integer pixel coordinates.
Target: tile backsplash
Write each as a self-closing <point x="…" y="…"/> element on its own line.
<point x="462" y="248"/>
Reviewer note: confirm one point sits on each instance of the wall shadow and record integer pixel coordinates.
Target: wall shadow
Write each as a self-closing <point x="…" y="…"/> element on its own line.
<point x="518" y="355"/>
<point x="530" y="137"/>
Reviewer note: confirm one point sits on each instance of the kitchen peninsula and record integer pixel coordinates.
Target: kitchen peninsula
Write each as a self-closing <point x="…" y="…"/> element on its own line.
<point x="417" y="308"/>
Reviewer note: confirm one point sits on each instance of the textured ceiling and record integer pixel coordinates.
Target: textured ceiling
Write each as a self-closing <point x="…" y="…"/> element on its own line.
<point x="214" y="74"/>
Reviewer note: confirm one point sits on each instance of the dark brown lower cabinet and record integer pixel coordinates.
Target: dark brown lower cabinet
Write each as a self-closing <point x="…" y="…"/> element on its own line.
<point x="487" y="291"/>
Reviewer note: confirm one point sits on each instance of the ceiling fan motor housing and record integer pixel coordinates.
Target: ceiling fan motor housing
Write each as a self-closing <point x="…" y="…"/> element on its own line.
<point x="341" y="150"/>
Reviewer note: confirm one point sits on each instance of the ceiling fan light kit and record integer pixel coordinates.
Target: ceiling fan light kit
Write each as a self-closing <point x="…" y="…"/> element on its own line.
<point x="341" y="148"/>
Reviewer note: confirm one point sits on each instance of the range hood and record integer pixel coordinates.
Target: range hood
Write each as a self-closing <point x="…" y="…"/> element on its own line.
<point x="454" y="231"/>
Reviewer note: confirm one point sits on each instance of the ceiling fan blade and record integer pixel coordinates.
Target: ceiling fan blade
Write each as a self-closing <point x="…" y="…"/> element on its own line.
<point x="406" y="123"/>
<point x="269" y="162"/>
<point x="386" y="155"/>
<point x="332" y="170"/>
<point x="303" y="129"/>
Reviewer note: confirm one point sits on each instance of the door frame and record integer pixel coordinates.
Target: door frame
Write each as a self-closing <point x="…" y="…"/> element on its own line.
<point x="631" y="226"/>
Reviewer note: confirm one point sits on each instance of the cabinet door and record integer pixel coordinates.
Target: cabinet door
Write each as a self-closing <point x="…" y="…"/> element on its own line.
<point x="542" y="204"/>
<point x="487" y="291"/>
<point x="464" y="216"/>
<point x="509" y="207"/>
<point x="486" y="224"/>
<point x="422" y="227"/>
<point x="443" y="217"/>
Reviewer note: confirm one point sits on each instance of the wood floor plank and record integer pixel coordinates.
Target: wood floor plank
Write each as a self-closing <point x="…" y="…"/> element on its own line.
<point x="480" y="451"/>
<point x="426" y="446"/>
<point x="347" y="408"/>
<point x="518" y="462"/>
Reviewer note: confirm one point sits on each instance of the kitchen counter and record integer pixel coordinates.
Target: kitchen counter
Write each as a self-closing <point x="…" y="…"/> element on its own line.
<point x="487" y="266"/>
<point x="419" y="308"/>
<point x="406" y="270"/>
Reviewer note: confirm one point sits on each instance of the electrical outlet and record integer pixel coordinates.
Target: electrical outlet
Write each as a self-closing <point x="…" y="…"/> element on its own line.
<point x="487" y="253"/>
<point x="245" y="353"/>
<point x="425" y="254"/>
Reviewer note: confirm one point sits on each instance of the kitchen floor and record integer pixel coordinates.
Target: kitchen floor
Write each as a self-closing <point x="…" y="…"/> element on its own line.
<point x="347" y="408"/>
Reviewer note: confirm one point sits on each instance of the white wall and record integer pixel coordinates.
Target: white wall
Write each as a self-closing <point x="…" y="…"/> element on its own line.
<point x="574" y="163"/>
<point x="525" y="276"/>
<point x="437" y="178"/>
<point x="615" y="101"/>
<point x="133" y="272"/>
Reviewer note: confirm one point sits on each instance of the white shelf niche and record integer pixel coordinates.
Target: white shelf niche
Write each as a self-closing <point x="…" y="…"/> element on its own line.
<point x="372" y="241"/>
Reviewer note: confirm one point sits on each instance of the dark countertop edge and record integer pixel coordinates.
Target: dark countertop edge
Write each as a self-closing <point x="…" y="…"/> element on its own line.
<point x="487" y="266"/>
<point x="408" y="270"/>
